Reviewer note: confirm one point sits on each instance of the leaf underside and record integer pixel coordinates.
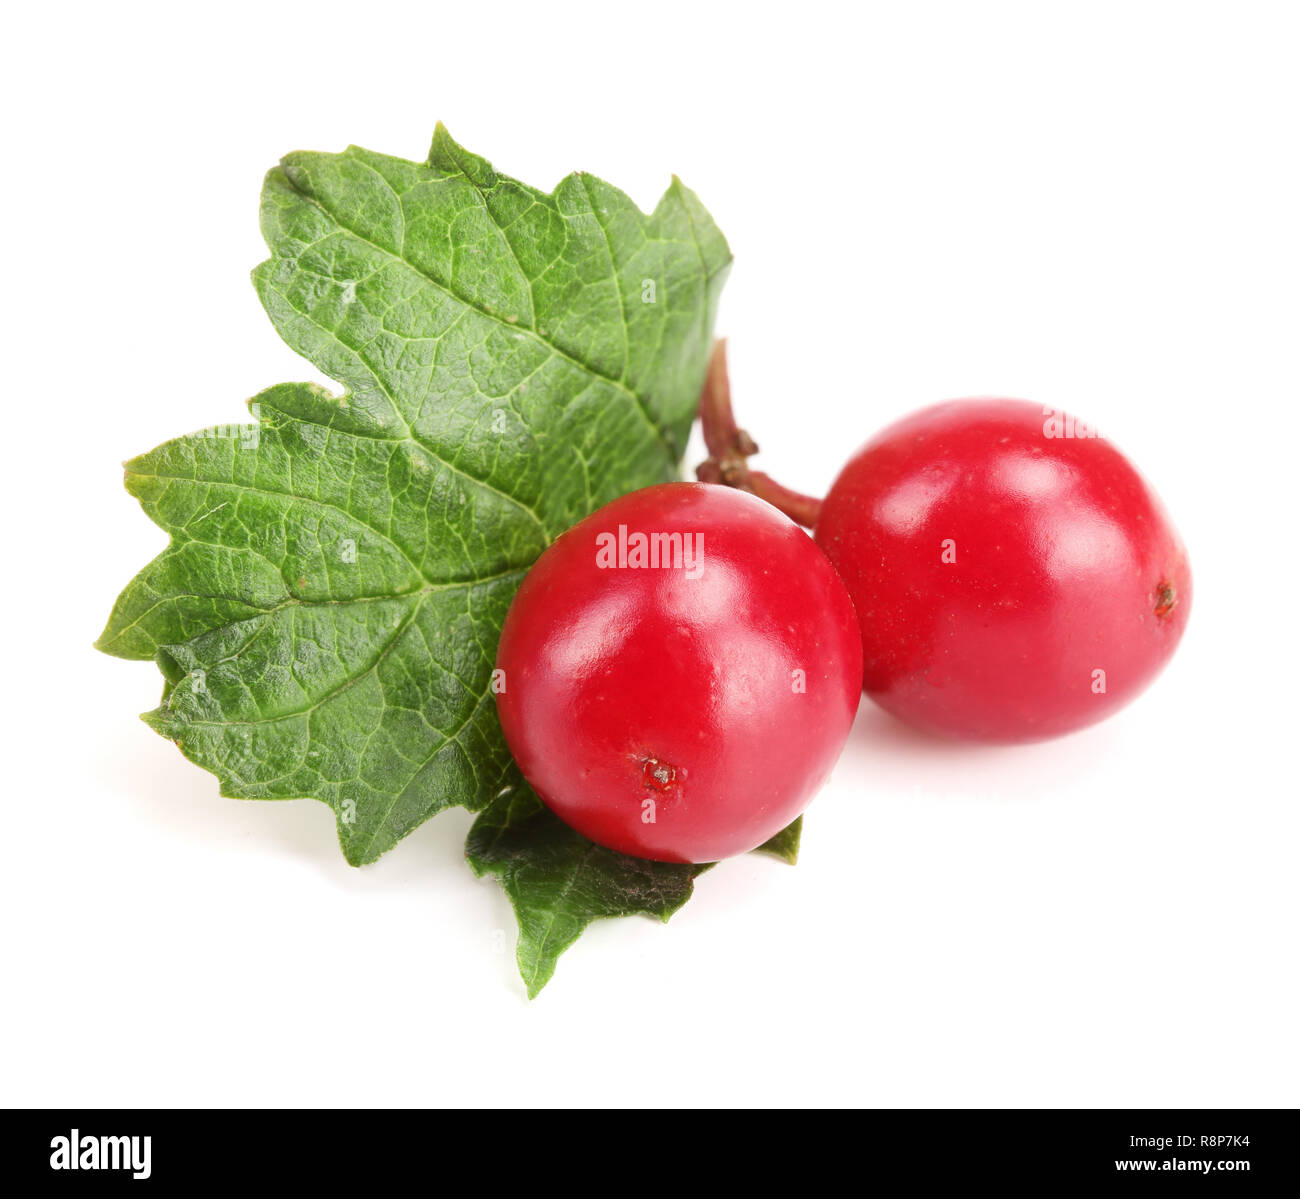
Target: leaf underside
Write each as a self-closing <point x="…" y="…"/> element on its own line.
<point x="559" y="882"/>
<point x="327" y="611"/>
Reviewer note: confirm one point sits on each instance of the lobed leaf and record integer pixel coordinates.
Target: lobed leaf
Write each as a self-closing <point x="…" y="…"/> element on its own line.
<point x="327" y="611"/>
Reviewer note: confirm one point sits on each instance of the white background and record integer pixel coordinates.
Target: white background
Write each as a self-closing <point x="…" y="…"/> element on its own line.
<point x="1094" y="206"/>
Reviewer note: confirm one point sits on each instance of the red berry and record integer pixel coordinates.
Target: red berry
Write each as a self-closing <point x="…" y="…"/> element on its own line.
<point x="681" y="699"/>
<point x="1014" y="576"/>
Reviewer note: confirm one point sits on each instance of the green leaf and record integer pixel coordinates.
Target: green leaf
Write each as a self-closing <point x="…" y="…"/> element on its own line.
<point x="327" y="611"/>
<point x="558" y="882"/>
<point x="785" y="845"/>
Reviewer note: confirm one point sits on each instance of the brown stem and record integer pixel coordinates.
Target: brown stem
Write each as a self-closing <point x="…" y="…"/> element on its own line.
<point x="716" y="416"/>
<point x="730" y="446"/>
<point x="802" y="509"/>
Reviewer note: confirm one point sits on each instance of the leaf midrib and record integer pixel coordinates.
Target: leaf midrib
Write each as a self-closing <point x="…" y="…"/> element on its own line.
<point x="539" y="952"/>
<point x="328" y="505"/>
<point x="639" y="403"/>
<point x="420" y="595"/>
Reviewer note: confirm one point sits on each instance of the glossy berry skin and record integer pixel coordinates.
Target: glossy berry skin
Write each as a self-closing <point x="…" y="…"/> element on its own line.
<point x="661" y="711"/>
<point x="996" y="568"/>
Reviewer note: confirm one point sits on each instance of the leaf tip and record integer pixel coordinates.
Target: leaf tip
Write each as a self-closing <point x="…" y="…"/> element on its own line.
<point x="156" y="719"/>
<point x="785" y="845"/>
<point x="105" y="643"/>
<point x="442" y="145"/>
<point x="536" y="975"/>
<point x="355" y="853"/>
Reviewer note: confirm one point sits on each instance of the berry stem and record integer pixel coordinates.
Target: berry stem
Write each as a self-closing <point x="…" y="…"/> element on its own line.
<point x="730" y="446"/>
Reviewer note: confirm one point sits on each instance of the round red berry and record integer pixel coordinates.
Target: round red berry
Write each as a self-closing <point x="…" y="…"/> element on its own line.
<point x="679" y="672"/>
<point x="1013" y="575"/>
